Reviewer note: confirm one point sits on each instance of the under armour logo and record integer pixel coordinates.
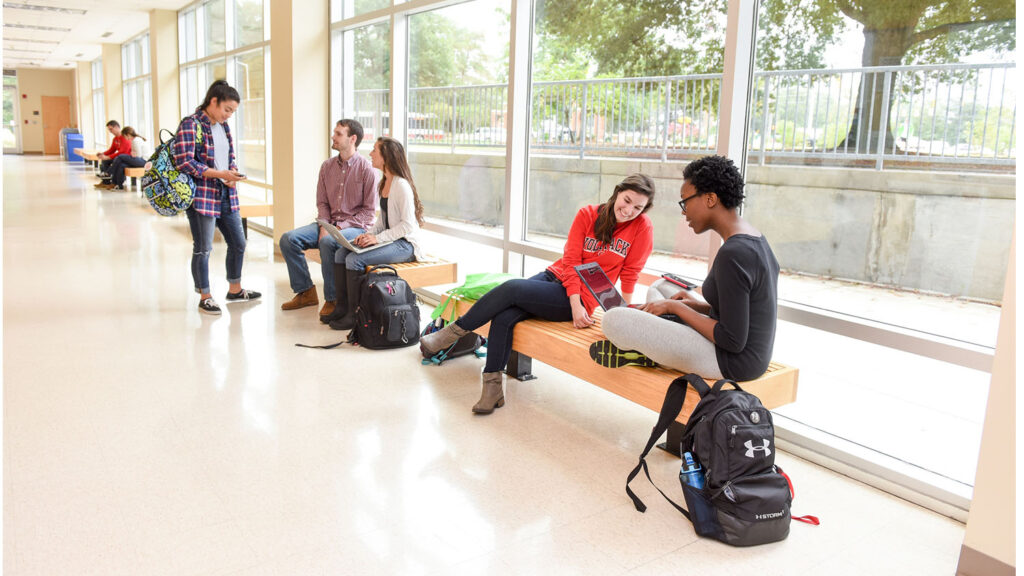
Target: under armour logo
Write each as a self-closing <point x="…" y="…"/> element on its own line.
<point x="751" y="448"/>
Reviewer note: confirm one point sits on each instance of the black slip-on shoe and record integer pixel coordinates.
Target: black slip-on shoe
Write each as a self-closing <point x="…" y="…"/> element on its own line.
<point x="243" y="295"/>
<point x="209" y="306"/>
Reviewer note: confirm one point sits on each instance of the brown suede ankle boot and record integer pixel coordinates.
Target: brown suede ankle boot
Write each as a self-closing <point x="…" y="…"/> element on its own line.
<point x="435" y="342"/>
<point x="492" y="396"/>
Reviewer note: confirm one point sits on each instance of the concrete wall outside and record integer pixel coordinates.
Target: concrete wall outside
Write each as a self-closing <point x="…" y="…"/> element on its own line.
<point x="935" y="231"/>
<point x="34" y="84"/>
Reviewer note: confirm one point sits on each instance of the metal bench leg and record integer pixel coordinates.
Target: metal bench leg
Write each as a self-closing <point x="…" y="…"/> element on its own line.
<point x="520" y="367"/>
<point x="245" y="228"/>
<point x="673" y="438"/>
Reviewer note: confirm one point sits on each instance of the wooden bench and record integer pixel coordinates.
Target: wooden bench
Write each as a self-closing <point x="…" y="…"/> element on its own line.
<point x="416" y="274"/>
<point x="91" y="157"/>
<point x="135" y="174"/>
<point x="252" y="208"/>
<point x="562" y="346"/>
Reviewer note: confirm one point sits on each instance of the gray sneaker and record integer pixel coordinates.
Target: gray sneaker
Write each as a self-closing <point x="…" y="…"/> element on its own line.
<point x="209" y="306"/>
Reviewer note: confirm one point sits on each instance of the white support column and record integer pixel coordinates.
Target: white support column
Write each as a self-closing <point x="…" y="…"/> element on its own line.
<point x="163" y="66"/>
<point x="736" y="77"/>
<point x="517" y="126"/>
<point x="398" y="117"/>
<point x="299" y="108"/>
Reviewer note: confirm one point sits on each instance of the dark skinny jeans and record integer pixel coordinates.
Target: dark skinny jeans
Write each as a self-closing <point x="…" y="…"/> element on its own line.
<point x="541" y="296"/>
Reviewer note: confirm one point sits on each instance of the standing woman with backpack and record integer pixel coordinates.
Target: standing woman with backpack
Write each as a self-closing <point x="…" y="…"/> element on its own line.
<point x="401" y="215"/>
<point x="204" y="150"/>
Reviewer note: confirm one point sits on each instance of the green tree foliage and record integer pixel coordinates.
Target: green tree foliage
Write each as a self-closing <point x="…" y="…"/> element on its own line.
<point x="609" y="38"/>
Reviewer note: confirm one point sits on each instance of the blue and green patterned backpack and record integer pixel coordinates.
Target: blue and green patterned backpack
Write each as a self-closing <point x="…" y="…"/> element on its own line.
<point x="169" y="191"/>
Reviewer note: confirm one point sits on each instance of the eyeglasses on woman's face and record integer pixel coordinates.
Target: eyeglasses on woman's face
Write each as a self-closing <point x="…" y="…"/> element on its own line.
<point x="682" y="203"/>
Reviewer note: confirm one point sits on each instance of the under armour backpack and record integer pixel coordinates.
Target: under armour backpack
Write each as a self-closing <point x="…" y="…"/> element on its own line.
<point x="387" y="315"/>
<point x="746" y="498"/>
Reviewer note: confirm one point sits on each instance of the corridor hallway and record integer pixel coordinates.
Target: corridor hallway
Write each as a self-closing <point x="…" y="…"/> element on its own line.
<point x="141" y="437"/>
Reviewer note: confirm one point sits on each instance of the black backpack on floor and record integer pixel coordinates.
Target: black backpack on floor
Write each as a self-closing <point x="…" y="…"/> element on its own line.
<point x="746" y="498"/>
<point x="387" y="315"/>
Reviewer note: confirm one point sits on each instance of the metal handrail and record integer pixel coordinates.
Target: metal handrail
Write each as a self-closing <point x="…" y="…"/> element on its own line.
<point x="960" y="115"/>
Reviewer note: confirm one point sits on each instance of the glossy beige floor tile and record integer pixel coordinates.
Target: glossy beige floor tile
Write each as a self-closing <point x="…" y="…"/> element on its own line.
<point x="141" y="437"/>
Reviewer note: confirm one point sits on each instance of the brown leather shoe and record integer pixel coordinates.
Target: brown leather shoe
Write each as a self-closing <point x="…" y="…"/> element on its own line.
<point x="327" y="310"/>
<point x="302" y="299"/>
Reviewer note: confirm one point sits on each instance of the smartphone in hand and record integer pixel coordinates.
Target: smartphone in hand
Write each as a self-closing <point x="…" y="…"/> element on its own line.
<point x="685" y="284"/>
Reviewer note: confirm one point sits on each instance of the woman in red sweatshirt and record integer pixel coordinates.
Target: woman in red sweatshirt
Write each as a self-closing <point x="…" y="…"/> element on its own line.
<point x="617" y="235"/>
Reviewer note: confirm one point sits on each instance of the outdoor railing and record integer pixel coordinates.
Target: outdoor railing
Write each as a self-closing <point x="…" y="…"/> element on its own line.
<point x="959" y="115"/>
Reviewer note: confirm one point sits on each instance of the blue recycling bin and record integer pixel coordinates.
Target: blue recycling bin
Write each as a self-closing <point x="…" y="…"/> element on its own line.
<point x="72" y="141"/>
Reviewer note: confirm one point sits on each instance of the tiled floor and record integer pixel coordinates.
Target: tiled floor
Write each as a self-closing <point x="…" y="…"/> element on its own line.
<point x="141" y="437"/>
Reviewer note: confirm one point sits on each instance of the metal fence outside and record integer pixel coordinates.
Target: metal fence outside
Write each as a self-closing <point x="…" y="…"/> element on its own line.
<point x="958" y="115"/>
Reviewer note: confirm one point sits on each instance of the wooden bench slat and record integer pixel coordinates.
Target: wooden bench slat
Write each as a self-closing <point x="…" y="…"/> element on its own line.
<point x="416" y="274"/>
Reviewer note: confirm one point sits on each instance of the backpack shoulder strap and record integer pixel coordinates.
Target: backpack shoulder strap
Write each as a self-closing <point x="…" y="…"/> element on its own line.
<point x="674" y="398"/>
<point x="721" y="383"/>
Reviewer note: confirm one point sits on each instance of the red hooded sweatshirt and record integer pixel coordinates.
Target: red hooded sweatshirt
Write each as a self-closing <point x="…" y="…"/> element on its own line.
<point x="623" y="259"/>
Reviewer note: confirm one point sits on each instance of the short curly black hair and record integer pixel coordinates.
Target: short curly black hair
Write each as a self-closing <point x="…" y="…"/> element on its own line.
<point x="716" y="174"/>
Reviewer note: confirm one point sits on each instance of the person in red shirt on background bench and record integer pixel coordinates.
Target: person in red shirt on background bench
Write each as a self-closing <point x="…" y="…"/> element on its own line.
<point x="617" y="235"/>
<point x="120" y="145"/>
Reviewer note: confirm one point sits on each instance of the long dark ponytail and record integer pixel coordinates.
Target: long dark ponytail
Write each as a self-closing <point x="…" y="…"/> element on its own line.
<point x="222" y="91"/>
<point x="604" y="226"/>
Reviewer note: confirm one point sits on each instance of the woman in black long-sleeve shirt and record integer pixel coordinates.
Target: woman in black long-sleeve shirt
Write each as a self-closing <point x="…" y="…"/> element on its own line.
<point x="730" y="332"/>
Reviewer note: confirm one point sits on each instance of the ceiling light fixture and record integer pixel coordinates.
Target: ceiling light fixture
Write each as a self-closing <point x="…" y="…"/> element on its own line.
<point x="15" y="6"/>
<point x="106" y="35"/>
<point x="31" y="40"/>
<point x="9" y="49"/>
<point x="31" y="27"/>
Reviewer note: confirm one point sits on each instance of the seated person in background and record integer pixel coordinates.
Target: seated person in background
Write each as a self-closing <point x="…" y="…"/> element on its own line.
<point x="120" y="145"/>
<point x="137" y="158"/>
<point x="345" y="197"/>
<point x="401" y="215"/>
<point x="617" y="235"/>
<point x="730" y="332"/>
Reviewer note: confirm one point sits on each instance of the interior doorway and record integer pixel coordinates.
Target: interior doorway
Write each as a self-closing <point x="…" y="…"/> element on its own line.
<point x="56" y="116"/>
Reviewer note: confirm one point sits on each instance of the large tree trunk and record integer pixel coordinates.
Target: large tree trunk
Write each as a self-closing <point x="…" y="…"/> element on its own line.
<point x="868" y="126"/>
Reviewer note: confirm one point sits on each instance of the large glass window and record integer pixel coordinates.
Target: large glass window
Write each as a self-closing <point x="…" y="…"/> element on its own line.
<point x="881" y="168"/>
<point x="602" y="108"/>
<point x="137" y="86"/>
<point x="361" y="78"/>
<point x="248" y="22"/>
<point x="12" y="132"/>
<point x="226" y="40"/>
<point x="341" y="9"/>
<point x="458" y="88"/>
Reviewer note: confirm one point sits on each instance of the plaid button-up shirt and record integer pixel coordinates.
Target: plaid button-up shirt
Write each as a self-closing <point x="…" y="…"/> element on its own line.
<point x="196" y="160"/>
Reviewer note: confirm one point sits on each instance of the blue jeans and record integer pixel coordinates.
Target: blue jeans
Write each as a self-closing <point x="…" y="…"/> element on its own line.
<point x="230" y="225"/>
<point x="541" y="296"/>
<point x="398" y="251"/>
<point x="304" y="238"/>
<point x="120" y="163"/>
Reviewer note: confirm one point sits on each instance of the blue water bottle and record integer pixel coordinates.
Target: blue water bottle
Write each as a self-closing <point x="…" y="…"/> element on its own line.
<point x="691" y="473"/>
